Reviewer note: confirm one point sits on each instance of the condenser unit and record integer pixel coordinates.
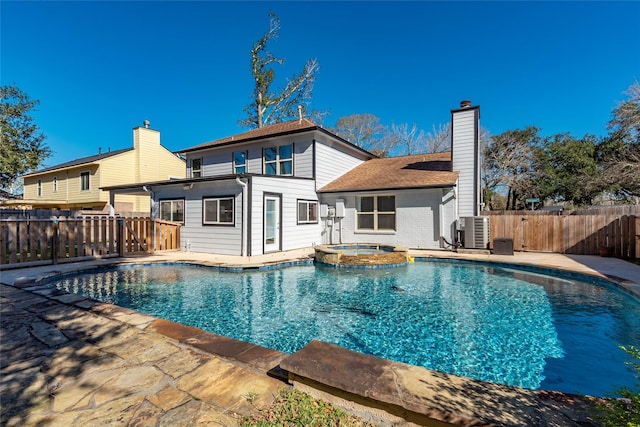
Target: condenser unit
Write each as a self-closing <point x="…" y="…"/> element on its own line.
<point x="476" y="232"/>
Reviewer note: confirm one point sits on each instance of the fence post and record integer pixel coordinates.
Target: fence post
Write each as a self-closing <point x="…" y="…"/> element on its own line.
<point x="121" y="241"/>
<point x="54" y="241"/>
<point x="149" y="227"/>
<point x="152" y="236"/>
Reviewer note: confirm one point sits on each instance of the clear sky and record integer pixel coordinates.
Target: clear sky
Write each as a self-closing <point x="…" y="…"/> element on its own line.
<point x="100" y="68"/>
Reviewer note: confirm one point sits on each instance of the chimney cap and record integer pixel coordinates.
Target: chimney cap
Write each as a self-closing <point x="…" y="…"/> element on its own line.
<point x="146" y="123"/>
<point x="465" y="103"/>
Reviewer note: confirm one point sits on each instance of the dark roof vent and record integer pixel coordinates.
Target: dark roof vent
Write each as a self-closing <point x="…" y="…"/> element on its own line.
<point x="465" y="104"/>
<point x="146" y="123"/>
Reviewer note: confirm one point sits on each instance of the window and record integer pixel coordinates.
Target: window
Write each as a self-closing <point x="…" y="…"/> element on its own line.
<point x="196" y="168"/>
<point x="240" y="162"/>
<point x="172" y="210"/>
<point x="39" y="188"/>
<point x="218" y="211"/>
<point x="307" y="212"/>
<point x="84" y="181"/>
<point x="376" y="213"/>
<point x="278" y="160"/>
<point x="55" y="184"/>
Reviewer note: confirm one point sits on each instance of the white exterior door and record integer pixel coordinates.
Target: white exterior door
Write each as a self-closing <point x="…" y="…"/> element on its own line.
<point x="271" y="223"/>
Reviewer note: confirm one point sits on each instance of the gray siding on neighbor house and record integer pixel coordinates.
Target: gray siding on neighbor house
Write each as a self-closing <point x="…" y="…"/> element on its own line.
<point x="334" y="160"/>
<point x="418" y="219"/>
<point x="196" y="237"/>
<point x="219" y="161"/>
<point x="465" y="159"/>
<point x="293" y="235"/>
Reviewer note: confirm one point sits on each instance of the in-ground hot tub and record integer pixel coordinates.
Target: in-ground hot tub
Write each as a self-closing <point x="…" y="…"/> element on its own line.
<point x="362" y="255"/>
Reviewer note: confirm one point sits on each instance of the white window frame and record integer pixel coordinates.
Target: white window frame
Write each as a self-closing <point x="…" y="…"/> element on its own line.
<point x="55" y="184"/>
<point x="217" y="220"/>
<point x="39" y="188"/>
<point x="304" y="207"/>
<point x="278" y="160"/>
<point x="88" y="175"/>
<point x="172" y="209"/>
<point x="376" y="213"/>
<point x="196" y="173"/>
<point x="239" y="165"/>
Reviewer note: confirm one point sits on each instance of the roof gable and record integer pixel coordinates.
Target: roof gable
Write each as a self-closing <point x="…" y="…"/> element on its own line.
<point x="293" y="126"/>
<point x="417" y="171"/>
<point x="271" y="131"/>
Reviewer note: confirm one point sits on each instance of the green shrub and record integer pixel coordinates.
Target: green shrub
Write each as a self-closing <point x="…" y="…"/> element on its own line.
<point x="623" y="411"/>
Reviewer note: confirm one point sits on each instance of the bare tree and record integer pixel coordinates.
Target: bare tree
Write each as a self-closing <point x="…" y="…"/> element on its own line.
<point x="407" y="140"/>
<point x="360" y="129"/>
<point x="625" y="123"/>
<point x="267" y="106"/>
<point x="509" y="161"/>
<point x="439" y="139"/>
<point x="619" y="153"/>
<point x="363" y="130"/>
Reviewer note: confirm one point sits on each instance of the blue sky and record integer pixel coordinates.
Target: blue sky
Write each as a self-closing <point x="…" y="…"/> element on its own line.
<point x="100" y="68"/>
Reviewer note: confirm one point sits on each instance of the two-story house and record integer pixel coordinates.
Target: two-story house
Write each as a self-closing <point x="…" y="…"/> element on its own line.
<point x="295" y="184"/>
<point x="77" y="184"/>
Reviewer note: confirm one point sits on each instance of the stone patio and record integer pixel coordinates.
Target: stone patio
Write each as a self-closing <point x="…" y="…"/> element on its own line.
<point x="69" y="362"/>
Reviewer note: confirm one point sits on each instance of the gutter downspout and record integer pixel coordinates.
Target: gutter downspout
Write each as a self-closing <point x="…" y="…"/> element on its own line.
<point x="243" y="245"/>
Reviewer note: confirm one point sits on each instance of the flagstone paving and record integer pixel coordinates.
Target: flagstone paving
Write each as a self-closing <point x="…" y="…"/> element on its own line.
<point x="62" y="366"/>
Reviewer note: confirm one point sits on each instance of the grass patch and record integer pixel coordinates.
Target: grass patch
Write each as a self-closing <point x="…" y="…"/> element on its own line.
<point x="295" y="408"/>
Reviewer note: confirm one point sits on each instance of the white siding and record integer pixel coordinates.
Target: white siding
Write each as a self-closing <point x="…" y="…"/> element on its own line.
<point x="334" y="160"/>
<point x="303" y="159"/>
<point x="466" y="160"/>
<point x="418" y="221"/>
<point x="293" y="236"/>
<point x="215" y="239"/>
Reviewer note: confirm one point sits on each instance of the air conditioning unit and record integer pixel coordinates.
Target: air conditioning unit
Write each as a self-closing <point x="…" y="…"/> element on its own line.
<point x="476" y="232"/>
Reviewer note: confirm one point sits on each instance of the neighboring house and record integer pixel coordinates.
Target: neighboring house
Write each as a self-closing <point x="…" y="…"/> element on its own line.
<point x="77" y="184"/>
<point x="294" y="185"/>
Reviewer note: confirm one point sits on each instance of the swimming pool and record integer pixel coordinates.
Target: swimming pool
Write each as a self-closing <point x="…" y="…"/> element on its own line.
<point x="493" y="323"/>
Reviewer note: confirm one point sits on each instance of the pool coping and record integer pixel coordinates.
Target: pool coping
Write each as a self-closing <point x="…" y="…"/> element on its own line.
<point x="399" y="390"/>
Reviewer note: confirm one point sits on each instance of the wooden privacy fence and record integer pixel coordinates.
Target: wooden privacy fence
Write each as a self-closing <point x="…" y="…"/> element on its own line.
<point x="29" y="242"/>
<point x="612" y="235"/>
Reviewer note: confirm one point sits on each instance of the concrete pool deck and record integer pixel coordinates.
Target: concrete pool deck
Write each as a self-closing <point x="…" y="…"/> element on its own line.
<point x="66" y="360"/>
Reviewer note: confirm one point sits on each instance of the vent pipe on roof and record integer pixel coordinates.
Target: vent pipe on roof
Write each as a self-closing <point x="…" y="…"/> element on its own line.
<point x="300" y="113"/>
<point x="146" y="124"/>
<point x="465" y="103"/>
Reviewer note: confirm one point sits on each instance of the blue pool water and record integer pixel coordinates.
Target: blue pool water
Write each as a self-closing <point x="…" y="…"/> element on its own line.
<point x="485" y="322"/>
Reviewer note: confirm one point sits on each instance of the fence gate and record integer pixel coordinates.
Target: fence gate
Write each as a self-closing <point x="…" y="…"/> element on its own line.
<point x="570" y="234"/>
